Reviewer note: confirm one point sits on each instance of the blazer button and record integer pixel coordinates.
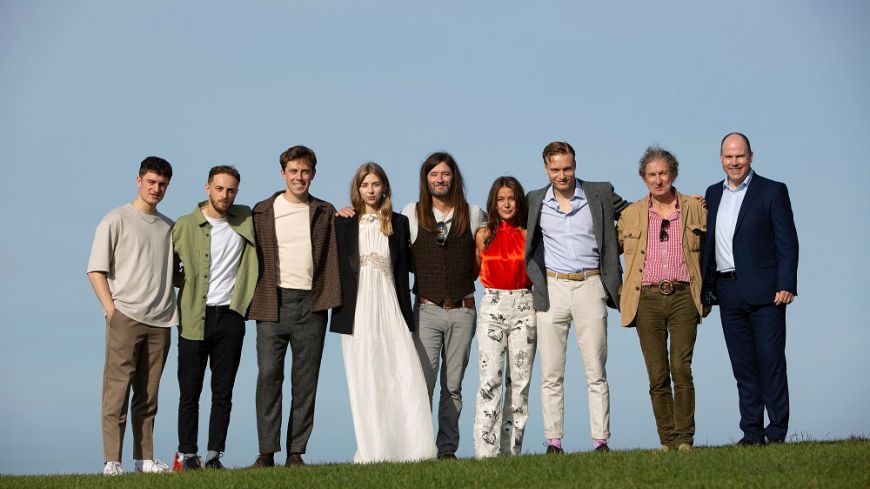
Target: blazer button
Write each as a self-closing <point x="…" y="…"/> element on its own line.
<point x="642" y="252"/>
<point x="637" y="288"/>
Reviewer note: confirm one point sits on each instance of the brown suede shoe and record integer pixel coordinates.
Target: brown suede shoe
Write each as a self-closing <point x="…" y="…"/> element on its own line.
<point x="264" y="460"/>
<point x="294" y="460"/>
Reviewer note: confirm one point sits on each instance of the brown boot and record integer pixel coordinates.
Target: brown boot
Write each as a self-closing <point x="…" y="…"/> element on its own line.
<point x="294" y="460"/>
<point x="264" y="460"/>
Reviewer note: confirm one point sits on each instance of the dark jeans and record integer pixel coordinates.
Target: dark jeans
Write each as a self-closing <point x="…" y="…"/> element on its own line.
<point x="755" y="337"/>
<point x="304" y="331"/>
<point x="660" y="316"/>
<point x="222" y="348"/>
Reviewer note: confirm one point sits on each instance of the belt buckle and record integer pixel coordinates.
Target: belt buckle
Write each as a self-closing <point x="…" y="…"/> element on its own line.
<point x="666" y="287"/>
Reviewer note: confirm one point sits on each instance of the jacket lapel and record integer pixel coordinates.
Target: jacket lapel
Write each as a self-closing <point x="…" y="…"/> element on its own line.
<point x="393" y="241"/>
<point x="751" y="192"/>
<point x="353" y="249"/>
<point x="597" y="213"/>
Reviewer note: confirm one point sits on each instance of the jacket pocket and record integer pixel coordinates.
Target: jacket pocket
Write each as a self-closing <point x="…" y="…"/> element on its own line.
<point x="630" y="240"/>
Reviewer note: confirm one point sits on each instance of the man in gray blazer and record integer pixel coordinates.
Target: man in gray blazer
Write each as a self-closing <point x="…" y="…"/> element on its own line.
<point x="573" y="262"/>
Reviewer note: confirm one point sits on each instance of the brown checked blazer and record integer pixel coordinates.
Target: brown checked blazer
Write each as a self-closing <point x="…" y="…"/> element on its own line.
<point x="325" y="284"/>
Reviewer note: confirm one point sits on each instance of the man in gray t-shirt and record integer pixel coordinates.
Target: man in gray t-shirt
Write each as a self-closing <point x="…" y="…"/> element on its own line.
<point x="130" y="268"/>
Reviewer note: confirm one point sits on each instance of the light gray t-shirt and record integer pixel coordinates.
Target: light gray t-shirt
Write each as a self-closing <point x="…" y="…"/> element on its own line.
<point x="134" y="249"/>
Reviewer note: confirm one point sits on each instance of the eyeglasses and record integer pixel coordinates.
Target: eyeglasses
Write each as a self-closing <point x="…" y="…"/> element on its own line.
<point x="663" y="233"/>
<point x="441" y="238"/>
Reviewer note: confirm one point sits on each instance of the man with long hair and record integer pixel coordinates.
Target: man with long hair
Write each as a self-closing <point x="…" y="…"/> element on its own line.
<point x="442" y="226"/>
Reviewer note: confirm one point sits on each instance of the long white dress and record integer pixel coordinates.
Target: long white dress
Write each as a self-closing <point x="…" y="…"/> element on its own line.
<point x="392" y="418"/>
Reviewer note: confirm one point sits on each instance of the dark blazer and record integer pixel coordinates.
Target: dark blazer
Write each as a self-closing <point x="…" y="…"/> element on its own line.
<point x="605" y="205"/>
<point x="325" y="287"/>
<point x="347" y="232"/>
<point x="765" y="242"/>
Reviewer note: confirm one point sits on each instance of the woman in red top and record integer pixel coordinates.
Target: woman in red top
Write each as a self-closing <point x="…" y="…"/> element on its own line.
<point x="506" y="328"/>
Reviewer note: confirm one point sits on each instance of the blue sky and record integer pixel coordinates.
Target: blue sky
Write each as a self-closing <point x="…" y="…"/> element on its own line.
<point x="87" y="89"/>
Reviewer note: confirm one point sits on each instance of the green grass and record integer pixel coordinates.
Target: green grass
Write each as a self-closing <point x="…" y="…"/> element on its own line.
<point x="794" y="465"/>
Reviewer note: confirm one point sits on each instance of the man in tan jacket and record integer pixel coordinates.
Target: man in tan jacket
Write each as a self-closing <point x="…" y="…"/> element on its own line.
<point x="661" y="236"/>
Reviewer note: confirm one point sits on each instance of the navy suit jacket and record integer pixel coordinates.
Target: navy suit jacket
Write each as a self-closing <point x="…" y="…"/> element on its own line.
<point x="765" y="242"/>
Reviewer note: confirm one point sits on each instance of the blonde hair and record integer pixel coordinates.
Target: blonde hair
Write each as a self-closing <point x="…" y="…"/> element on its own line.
<point x="384" y="207"/>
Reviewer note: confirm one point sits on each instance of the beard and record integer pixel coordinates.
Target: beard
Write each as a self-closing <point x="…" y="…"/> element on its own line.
<point x="439" y="193"/>
<point x="218" y="205"/>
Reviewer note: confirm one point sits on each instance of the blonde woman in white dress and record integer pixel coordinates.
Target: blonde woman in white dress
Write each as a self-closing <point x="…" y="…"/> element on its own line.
<point x="388" y="397"/>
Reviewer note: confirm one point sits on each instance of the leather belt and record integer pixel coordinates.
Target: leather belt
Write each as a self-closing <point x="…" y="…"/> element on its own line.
<point x="577" y="277"/>
<point x="727" y="275"/>
<point x="466" y="303"/>
<point x="667" y="287"/>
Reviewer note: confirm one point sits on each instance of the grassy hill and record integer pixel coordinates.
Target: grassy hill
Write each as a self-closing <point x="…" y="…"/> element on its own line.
<point x="794" y="465"/>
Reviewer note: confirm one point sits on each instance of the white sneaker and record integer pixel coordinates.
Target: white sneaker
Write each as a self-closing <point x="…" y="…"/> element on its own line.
<point x="151" y="466"/>
<point x="112" y="468"/>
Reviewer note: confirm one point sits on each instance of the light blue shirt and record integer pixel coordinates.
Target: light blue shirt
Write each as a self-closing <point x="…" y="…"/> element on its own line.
<point x="569" y="238"/>
<point x="726" y="223"/>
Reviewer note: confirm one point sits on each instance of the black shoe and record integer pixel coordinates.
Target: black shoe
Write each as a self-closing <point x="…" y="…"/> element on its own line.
<point x="554" y="450"/>
<point x="603" y="448"/>
<point x="447" y="456"/>
<point x="294" y="460"/>
<point x="776" y="441"/>
<point x="215" y="463"/>
<point x="191" y="463"/>
<point x="264" y="460"/>
<point x="747" y="442"/>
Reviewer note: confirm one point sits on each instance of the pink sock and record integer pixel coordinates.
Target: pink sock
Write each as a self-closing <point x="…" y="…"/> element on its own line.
<point x="597" y="442"/>
<point x="555" y="442"/>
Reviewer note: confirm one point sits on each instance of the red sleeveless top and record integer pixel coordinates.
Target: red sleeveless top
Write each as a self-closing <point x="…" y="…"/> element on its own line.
<point x="503" y="265"/>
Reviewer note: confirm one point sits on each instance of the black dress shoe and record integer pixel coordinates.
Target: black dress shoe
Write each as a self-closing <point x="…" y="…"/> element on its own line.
<point x="215" y="463"/>
<point x="294" y="460"/>
<point x="264" y="460"/>
<point x="447" y="456"/>
<point x="554" y="450"/>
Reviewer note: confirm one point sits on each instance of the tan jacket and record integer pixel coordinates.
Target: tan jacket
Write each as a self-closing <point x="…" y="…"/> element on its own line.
<point x="632" y="234"/>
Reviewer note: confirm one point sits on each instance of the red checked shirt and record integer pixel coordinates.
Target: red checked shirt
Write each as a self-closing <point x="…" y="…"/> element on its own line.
<point x="664" y="259"/>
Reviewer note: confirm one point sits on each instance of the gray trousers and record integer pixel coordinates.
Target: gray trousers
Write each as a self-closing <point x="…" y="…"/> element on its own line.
<point x="445" y="334"/>
<point x="305" y="332"/>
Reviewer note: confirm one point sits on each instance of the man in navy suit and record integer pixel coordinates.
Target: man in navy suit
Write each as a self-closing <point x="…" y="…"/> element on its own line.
<point x="750" y="270"/>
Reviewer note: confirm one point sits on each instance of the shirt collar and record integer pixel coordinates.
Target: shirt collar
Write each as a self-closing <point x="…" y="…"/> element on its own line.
<point x="550" y="195"/>
<point x="676" y="195"/>
<point x="743" y="184"/>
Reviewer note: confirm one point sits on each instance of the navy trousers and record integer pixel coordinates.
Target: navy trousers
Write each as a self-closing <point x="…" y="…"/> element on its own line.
<point x="755" y="337"/>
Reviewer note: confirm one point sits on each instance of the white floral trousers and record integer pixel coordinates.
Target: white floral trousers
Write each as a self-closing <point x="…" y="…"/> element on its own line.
<point x="506" y="339"/>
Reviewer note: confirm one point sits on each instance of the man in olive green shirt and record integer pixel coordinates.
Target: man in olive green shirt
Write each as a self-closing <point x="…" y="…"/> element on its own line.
<point x="215" y="245"/>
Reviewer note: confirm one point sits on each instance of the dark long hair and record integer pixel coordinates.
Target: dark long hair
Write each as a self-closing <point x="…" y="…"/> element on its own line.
<point x="425" y="217"/>
<point x="521" y="217"/>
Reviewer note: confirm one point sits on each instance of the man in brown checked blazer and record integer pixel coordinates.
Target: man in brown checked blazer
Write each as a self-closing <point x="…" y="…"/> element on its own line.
<point x="298" y="283"/>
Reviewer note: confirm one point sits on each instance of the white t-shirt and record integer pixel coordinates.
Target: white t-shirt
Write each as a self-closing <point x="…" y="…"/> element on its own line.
<point x="134" y="249"/>
<point x="293" y="232"/>
<point x="224" y="258"/>
<point x="476" y="216"/>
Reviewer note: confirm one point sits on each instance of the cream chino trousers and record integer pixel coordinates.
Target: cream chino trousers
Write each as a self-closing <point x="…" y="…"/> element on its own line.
<point x="584" y="303"/>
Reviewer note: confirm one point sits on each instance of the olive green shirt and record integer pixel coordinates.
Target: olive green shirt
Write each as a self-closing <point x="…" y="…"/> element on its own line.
<point x="191" y="240"/>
